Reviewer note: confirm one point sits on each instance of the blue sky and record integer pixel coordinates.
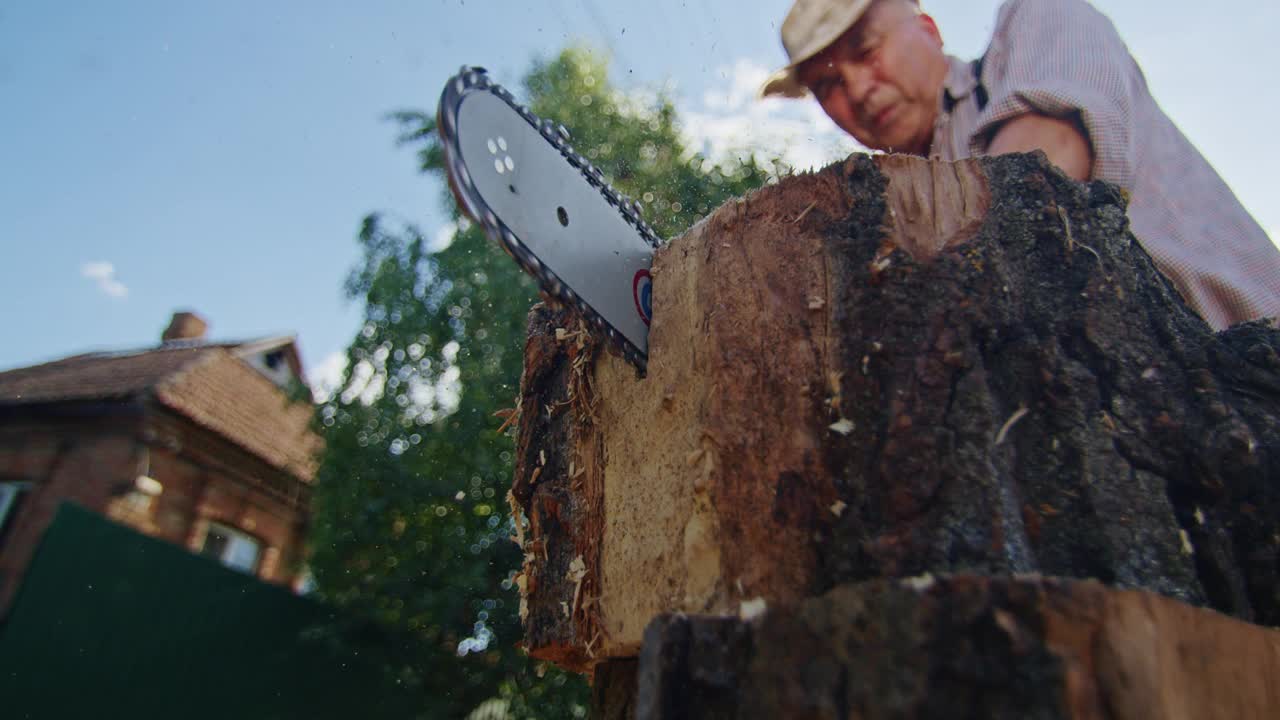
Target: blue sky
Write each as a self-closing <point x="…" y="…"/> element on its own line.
<point x="218" y="156"/>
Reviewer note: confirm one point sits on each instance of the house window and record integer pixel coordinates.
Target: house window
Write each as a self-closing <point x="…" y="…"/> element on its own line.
<point x="134" y="507"/>
<point x="305" y="584"/>
<point x="231" y="547"/>
<point x="9" y="492"/>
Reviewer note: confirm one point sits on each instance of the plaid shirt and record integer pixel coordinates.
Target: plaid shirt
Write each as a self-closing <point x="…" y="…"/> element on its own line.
<point x="1063" y="58"/>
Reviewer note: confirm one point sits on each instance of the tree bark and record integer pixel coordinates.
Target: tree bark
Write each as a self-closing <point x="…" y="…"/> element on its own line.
<point x="887" y="368"/>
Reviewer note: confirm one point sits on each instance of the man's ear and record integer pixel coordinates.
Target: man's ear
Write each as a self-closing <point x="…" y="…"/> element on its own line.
<point x="930" y="27"/>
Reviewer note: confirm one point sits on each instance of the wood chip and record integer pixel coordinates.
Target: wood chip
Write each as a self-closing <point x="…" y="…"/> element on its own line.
<point x="509" y="416"/>
<point x="517" y="519"/>
<point x="833" y="382"/>
<point x="919" y="583"/>
<point x="1008" y="424"/>
<point x="751" y="609"/>
<point x="577" y="573"/>
<point x="844" y="426"/>
<point x="577" y="569"/>
<point x="594" y="638"/>
<point x="804" y="212"/>
<point x="1187" y="547"/>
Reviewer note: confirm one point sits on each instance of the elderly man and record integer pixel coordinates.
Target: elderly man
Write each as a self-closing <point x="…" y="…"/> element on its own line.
<point x="1057" y="78"/>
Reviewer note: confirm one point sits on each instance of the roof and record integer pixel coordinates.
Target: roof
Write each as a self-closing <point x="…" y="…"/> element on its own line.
<point x="287" y="344"/>
<point x="94" y="376"/>
<point x="225" y="395"/>
<point x="205" y="382"/>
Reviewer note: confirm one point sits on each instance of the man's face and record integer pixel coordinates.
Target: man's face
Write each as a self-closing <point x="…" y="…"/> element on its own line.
<point x="880" y="82"/>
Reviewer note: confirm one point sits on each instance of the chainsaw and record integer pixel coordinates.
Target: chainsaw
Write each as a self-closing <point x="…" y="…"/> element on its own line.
<point x="551" y="210"/>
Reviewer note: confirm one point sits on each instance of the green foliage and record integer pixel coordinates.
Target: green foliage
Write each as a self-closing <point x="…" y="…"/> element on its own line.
<point x="636" y="143"/>
<point x="411" y="528"/>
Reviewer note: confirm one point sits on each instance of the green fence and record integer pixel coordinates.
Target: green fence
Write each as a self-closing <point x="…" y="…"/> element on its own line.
<point x="112" y="624"/>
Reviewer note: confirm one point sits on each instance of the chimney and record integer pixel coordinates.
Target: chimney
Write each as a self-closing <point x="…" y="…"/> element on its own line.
<point x="184" y="326"/>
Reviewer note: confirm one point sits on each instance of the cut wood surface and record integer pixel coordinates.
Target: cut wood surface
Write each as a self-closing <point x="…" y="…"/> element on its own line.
<point x="889" y="367"/>
<point x="959" y="647"/>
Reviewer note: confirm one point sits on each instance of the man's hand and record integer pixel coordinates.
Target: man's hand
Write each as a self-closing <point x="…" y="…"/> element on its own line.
<point x="1062" y="140"/>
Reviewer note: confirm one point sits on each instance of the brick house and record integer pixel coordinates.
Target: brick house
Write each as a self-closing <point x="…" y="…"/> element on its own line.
<point x="194" y="442"/>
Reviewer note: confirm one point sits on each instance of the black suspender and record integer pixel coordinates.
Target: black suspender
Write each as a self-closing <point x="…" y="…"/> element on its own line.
<point x="979" y="90"/>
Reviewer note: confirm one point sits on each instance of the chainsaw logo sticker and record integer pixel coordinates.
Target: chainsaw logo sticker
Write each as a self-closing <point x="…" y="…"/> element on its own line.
<point x="642" y="291"/>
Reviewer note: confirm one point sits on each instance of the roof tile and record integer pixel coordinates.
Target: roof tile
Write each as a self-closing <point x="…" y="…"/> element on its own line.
<point x="227" y="396"/>
<point x="206" y="383"/>
<point x="95" y="376"/>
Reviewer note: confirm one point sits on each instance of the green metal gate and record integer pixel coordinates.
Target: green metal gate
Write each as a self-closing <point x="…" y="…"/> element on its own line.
<point x="112" y="624"/>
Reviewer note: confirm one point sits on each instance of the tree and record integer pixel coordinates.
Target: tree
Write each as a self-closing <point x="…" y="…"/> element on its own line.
<point x="411" y="530"/>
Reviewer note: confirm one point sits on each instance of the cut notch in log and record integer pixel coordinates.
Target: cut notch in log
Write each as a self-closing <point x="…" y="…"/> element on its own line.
<point x="889" y="367"/>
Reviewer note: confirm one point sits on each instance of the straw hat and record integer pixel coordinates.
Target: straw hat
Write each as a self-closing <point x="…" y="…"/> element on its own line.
<point x="811" y="25"/>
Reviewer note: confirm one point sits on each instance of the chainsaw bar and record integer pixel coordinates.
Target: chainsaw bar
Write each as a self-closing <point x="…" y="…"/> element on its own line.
<point x="601" y="267"/>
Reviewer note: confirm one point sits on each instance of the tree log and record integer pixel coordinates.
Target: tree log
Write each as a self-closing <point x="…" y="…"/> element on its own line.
<point x="962" y="647"/>
<point x="890" y="367"/>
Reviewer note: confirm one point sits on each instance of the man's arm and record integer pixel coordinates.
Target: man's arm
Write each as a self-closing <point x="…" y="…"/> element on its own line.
<point x="1062" y="140"/>
<point x="1052" y="64"/>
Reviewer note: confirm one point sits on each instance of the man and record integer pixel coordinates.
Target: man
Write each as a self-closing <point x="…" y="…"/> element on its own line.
<point x="1057" y="78"/>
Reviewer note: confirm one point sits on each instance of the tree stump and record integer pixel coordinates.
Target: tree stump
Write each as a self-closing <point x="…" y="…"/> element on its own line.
<point x="892" y="367"/>
<point x="963" y="647"/>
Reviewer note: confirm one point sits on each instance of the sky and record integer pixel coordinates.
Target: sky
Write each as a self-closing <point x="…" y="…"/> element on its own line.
<point x="219" y="156"/>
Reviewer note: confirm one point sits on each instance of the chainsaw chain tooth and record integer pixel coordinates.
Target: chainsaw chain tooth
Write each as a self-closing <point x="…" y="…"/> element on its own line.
<point x="510" y="238"/>
<point x="476" y="78"/>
